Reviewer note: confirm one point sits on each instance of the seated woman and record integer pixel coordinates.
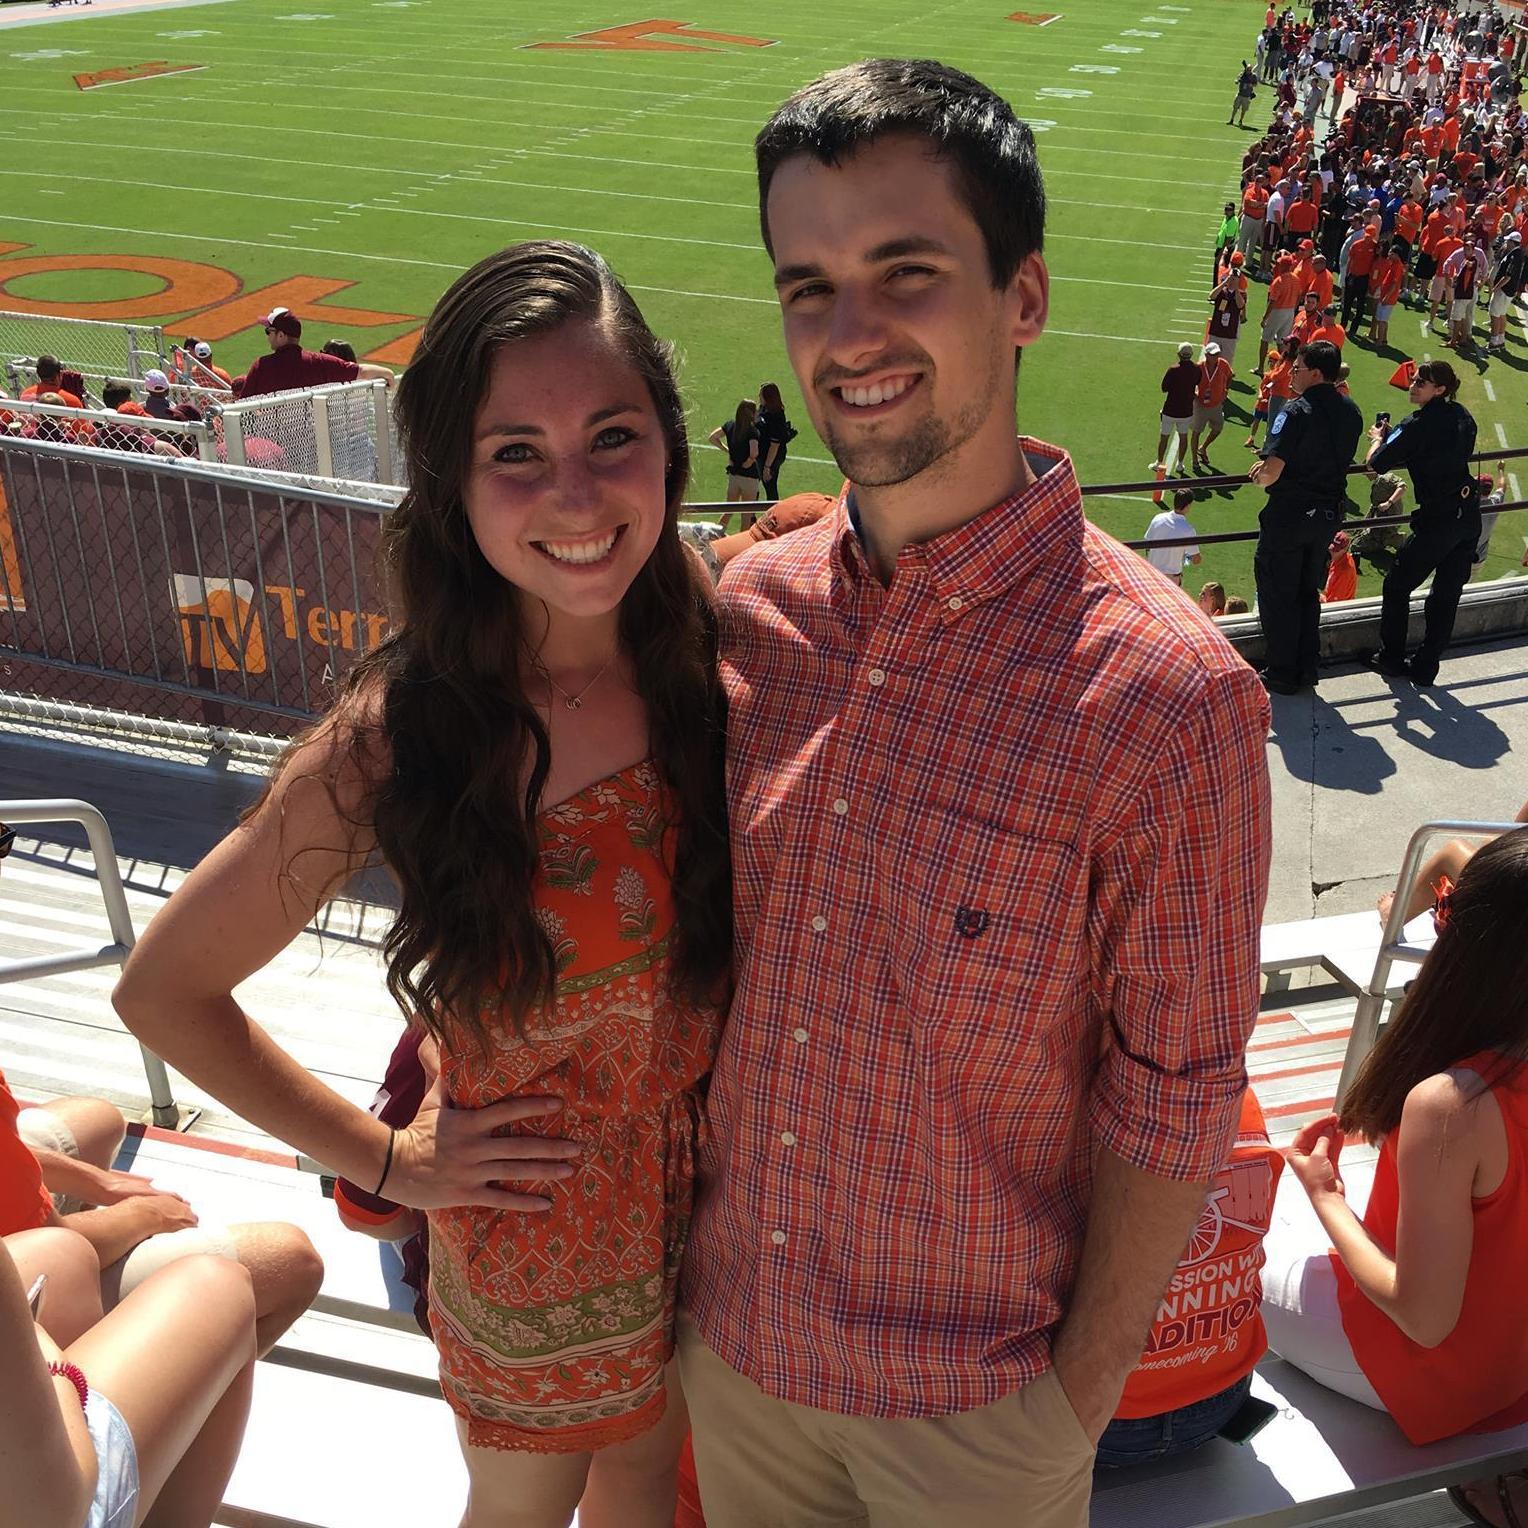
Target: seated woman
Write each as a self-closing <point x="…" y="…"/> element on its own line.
<point x="140" y="1417"/>
<point x="1418" y="1311"/>
<point x="1196" y="1372"/>
<point x="1443" y="865"/>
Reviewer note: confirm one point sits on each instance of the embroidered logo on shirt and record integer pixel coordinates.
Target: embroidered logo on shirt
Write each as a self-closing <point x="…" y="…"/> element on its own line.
<point x="971" y="922"/>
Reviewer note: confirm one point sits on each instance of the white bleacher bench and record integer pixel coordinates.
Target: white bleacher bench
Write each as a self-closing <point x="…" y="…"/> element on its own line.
<point x="1345" y="946"/>
<point x="1321" y="1459"/>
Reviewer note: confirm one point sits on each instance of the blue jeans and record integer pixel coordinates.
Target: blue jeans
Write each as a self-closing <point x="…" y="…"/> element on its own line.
<point x="1137" y="1439"/>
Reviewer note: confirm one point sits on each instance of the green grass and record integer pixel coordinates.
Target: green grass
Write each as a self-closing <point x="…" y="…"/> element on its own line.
<point x="646" y="155"/>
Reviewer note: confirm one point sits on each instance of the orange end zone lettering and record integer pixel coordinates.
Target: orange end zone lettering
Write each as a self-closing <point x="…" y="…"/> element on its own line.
<point x="1034" y="18"/>
<point x="127" y="72"/>
<point x="644" y="37"/>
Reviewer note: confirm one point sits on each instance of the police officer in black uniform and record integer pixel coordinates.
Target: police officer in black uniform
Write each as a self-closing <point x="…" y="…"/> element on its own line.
<point x="1436" y="444"/>
<point x="1303" y="467"/>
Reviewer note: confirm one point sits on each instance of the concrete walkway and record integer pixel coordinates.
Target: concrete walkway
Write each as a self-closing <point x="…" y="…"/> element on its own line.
<point x="1360" y="764"/>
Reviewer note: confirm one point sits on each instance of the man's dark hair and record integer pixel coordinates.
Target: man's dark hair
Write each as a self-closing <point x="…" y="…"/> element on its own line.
<point x="114" y="392"/>
<point x="997" y="173"/>
<point x="341" y="349"/>
<point x="1183" y="498"/>
<point x="1322" y="356"/>
<point x="48" y="368"/>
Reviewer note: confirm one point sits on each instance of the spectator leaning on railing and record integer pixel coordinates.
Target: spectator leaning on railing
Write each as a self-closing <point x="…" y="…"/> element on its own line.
<point x="289" y="366"/>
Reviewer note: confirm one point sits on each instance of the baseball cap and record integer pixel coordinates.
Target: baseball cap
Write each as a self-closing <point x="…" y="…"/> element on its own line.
<point x="1212" y="348"/>
<point x="283" y="321"/>
<point x="1238" y="258"/>
<point x="156" y="381"/>
<point x="1514" y="237"/>
<point x="202" y="350"/>
<point x="1340" y="541"/>
<point x="1307" y="245"/>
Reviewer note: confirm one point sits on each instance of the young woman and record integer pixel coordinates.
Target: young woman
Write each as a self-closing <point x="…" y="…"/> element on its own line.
<point x="535" y="752"/>
<point x="775" y="434"/>
<point x="139" y="1417"/>
<point x="740" y="440"/>
<point x="1419" y="1310"/>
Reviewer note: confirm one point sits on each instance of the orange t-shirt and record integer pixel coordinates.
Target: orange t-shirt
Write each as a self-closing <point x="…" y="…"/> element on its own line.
<point x="1386" y="278"/>
<point x="1432" y="140"/>
<point x="1285" y="290"/>
<point x="24" y="1203"/>
<point x="1214" y="380"/>
<point x="1408" y="221"/>
<point x="1208" y="1332"/>
<point x="1489" y="218"/>
<point x="1277" y="382"/>
<point x="32" y="394"/>
<point x="1341" y="579"/>
<point x="1302" y="217"/>
<point x="1361" y="256"/>
<point x="1451" y="132"/>
<point x="1320" y="282"/>
<point x="1476" y="1379"/>
<point x="1446" y="246"/>
<point x="1254" y="203"/>
<point x="1334" y="332"/>
<point x="1438" y="224"/>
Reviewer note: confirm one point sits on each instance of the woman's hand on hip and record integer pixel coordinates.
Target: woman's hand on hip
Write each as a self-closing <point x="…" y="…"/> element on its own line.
<point x="451" y="1156"/>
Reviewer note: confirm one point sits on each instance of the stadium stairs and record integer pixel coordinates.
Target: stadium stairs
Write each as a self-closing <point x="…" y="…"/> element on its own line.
<point x="1353" y="770"/>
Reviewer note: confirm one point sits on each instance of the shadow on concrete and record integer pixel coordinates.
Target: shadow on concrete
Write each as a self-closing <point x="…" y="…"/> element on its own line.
<point x="1438" y="721"/>
<point x="1320" y="747"/>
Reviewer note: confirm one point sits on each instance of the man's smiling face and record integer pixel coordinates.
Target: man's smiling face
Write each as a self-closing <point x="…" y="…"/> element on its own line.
<point x="903" y="347"/>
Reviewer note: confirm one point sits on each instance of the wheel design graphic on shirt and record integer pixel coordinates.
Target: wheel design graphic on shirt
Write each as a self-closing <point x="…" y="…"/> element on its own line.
<point x="1206" y="1237"/>
<point x="1242" y="1197"/>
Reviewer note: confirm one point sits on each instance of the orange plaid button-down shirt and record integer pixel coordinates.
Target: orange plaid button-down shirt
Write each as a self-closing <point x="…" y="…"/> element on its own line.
<point x="1001" y="844"/>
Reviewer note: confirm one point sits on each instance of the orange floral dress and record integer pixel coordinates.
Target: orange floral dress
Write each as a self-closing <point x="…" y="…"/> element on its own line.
<point x="553" y="1328"/>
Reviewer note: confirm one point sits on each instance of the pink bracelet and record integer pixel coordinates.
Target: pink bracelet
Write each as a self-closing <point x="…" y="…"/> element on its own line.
<point x="76" y="1377"/>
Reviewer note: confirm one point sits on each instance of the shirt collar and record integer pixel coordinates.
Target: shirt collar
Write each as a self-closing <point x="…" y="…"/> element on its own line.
<point x="991" y="552"/>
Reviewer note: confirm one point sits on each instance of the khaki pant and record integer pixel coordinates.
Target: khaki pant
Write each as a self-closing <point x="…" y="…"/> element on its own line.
<point x="1022" y="1462"/>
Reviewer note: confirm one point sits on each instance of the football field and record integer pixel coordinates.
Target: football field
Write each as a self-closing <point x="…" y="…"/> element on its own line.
<point x="195" y="164"/>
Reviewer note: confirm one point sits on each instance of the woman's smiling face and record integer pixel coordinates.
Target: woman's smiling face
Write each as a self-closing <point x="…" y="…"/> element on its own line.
<point x="565" y="488"/>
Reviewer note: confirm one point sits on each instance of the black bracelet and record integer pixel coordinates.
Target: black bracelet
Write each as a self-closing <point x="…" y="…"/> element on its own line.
<point x="387" y="1163"/>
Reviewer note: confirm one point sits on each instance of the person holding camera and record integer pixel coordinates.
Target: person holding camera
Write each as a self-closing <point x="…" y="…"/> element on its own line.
<point x="1435" y="443"/>
<point x="1303" y="467"/>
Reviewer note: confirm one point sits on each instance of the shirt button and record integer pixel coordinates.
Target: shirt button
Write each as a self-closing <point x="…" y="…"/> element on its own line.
<point x="877" y="678"/>
<point x="778" y="1238"/>
<point x="787" y="1138"/>
<point x="819" y="924"/>
<point x="799" y="1036"/>
<point x="841" y="806"/>
<point x="954" y="603"/>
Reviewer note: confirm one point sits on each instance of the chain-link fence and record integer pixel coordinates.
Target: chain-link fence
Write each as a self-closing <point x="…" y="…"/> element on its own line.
<point x="342" y="431"/>
<point x="84" y="344"/>
<point x="107" y="430"/>
<point x="20" y="373"/>
<point x="167" y="589"/>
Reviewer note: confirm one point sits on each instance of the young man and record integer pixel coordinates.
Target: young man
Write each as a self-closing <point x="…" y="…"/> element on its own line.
<point x="976" y="1074"/>
<point x="1209" y="404"/>
<point x="1385" y="282"/>
<point x="1506" y="287"/>
<point x="1171" y="525"/>
<point x="1279" y="315"/>
<point x="289" y="366"/>
<point x="1464" y="269"/>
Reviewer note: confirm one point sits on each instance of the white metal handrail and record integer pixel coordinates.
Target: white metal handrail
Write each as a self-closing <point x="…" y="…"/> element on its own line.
<point x="109" y="879"/>
<point x="1393" y="946"/>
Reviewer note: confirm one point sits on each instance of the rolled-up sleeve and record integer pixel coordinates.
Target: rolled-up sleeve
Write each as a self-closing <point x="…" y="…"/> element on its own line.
<point x="1176" y="906"/>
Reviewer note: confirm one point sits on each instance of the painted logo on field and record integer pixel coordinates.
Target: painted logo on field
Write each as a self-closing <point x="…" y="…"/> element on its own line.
<point x="130" y="72"/>
<point x="1034" y="18"/>
<point x="656" y="36"/>
<point x="219" y="624"/>
<point x="11" y="594"/>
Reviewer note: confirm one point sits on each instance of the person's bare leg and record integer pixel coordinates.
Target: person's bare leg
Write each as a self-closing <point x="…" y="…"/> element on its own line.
<point x="71" y="1300"/>
<point x="511" y="1489"/>
<point x="1209" y="440"/>
<point x="286" y="1271"/>
<point x="1162" y="448"/>
<point x="636" y="1484"/>
<point x="1450" y="860"/>
<point x="1193" y="447"/>
<point x="176" y="1358"/>
<point x="96" y="1125"/>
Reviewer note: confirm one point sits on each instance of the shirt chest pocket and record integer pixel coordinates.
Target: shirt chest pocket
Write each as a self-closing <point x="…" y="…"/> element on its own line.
<point x="986" y="930"/>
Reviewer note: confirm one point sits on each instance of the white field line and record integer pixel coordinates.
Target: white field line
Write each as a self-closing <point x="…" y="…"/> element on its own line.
<point x="1501" y="435"/>
<point x="1513" y="490"/>
<point x="1490" y="391"/>
<point x="138" y="79"/>
<point x="378" y="205"/>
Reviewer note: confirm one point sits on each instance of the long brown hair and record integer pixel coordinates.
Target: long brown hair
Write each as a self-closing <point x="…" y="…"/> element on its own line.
<point x="1470" y="995"/>
<point x="456" y="724"/>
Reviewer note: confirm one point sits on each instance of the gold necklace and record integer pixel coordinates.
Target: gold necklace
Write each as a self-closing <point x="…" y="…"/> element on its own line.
<point x="572" y="702"/>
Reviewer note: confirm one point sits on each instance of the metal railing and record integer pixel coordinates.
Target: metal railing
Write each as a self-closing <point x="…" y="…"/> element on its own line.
<point x="21" y="373"/>
<point x="103" y="852"/>
<point x="342" y="431"/>
<point x="84" y="344"/>
<point x="107" y="430"/>
<point x="1393" y="946"/>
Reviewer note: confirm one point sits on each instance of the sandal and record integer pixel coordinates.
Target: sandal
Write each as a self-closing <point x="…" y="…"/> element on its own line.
<point x="1503" y="1484"/>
